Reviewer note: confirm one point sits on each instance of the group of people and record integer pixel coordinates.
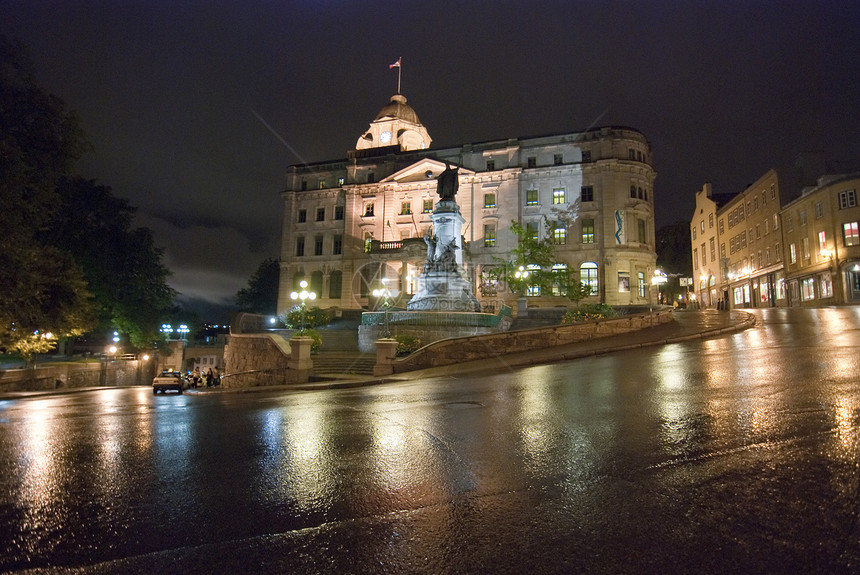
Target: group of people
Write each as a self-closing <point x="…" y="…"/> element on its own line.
<point x="210" y="377"/>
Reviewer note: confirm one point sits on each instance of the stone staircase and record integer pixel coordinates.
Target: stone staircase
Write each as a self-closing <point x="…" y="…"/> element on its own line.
<point x="340" y="364"/>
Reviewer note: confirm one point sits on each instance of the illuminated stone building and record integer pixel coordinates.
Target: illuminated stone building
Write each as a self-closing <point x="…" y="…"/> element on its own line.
<point x="737" y="247"/>
<point x="349" y="223"/>
<point x="822" y="243"/>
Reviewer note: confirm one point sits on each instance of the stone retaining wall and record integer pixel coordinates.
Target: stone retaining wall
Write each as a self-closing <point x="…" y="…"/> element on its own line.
<point x="457" y="350"/>
<point x="76" y="375"/>
<point x="252" y="360"/>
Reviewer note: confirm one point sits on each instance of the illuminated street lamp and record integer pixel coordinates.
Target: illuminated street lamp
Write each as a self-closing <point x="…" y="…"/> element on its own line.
<point x="182" y="330"/>
<point x="522" y="275"/>
<point x="303" y="295"/>
<point x="166" y="329"/>
<point x="385" y="294"/>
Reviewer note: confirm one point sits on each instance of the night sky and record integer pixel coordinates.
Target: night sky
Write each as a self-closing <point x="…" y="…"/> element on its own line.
<point x="195" y="109"/>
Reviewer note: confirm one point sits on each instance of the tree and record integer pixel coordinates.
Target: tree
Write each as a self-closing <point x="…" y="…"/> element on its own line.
<point x="532" y="265"/>
<point x="41" y="288"/>
<point x="121" y="264"/>
<point x="261" y="295"/>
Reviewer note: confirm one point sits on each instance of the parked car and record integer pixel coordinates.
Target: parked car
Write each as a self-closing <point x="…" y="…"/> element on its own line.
<point x="168" y="380"/>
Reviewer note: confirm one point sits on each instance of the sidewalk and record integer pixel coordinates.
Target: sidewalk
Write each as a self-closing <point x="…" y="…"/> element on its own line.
<point x="686" y="325"/>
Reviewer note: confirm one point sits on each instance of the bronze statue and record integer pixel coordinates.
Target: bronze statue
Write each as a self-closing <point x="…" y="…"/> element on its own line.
<point x="447" y="183"/>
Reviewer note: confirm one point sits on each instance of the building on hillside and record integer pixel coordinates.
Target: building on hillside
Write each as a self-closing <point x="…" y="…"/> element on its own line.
<point x="822" y="244"/>
<point x="350" y="223"/>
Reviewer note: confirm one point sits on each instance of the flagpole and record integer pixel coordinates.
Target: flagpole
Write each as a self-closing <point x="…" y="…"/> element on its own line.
<point x="399" y="70"/>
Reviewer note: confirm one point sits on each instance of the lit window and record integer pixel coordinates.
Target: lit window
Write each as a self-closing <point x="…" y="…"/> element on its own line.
<point x="368" y="209"/>
<point x="792" y="254"/>
<point x="807" y="289"/>
<point x="558" y="196"/>
<point x="560" y="279"/>
<point x="490" y="200"/>
<point x="489" y="235"/>
<point x="559" y="236"/>
<point x="822" y="240"/>
<point x="588" y="276"/>
<point x="321" y="184"/>
<point x="405" y="208"/>
<point x="850" y="236"/>
<point x="428" y="206"/>
<point x="587" y="231"/>
<point x="532" y="230"/>
<point x="531" y="197"/>
<point x="341" y="180"/>
<point x="825" y="285"/>
<point x="623" y="282"/>
<point x="640" y="277"/>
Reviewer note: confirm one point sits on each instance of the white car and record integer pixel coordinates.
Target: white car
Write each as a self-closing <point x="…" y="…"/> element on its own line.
<point x="168" y="380"/>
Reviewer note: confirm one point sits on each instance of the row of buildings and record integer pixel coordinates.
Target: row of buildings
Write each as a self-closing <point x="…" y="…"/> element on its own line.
<point x="354" y="224"/>
<point x="778" y="243"/>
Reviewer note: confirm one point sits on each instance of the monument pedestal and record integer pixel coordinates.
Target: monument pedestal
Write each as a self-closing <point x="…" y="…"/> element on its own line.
<point x="443" y="284"/>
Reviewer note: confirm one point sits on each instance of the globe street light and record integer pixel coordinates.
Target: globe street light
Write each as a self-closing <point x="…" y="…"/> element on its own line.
<point x="522" y="275"/>
<point x="303" y="295"/>
<point x="385" y="294"/>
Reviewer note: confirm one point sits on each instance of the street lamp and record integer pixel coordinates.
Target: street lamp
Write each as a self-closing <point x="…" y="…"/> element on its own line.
<point x="385" y="294"/>
<point x="522" y="275"/>
<point x="182" y="330"/>
<point x="302" y="296"/>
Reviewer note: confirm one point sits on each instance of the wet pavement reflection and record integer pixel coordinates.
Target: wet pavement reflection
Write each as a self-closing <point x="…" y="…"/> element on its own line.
<point x="734" y="454"/>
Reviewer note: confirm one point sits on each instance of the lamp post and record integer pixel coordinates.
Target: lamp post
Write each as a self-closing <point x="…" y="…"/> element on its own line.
<point x="522" y="275"/>
<point x="385" y="294"/>
<point x="302" y="296"/>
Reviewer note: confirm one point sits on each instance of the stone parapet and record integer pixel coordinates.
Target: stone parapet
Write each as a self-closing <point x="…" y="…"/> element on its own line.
<point x="77" y="375"/>
<point x="460" y="349"/>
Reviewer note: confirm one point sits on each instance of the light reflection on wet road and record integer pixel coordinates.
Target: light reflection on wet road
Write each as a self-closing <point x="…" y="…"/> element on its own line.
<point x="736" y="454"/>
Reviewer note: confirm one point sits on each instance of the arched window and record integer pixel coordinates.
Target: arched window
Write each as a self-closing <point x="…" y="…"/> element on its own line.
<point x="588" y="276"/>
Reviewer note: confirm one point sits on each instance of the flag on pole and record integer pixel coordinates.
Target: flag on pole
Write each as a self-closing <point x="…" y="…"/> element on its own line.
<point x="396" y="64"/>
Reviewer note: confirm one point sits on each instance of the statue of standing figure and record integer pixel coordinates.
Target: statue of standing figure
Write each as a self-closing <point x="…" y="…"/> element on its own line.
<point x="448" y="183"/>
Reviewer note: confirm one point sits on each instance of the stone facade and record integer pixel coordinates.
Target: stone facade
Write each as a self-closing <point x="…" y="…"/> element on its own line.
<point x="349" y="223"/>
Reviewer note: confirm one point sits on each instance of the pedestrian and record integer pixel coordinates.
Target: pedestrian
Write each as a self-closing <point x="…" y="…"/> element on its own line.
<point x="209" y="378"/>
<point x="217" y="376"/>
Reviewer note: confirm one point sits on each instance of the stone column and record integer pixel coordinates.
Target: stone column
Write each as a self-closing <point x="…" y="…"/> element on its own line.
<point x="386" y="351"/>
<point x="300" y="357"/>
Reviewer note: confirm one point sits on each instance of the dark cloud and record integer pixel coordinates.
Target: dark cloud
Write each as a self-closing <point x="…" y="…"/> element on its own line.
<point x="180" y="98"/>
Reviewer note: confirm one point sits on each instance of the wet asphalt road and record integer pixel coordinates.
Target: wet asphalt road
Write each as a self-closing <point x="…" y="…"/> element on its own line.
<point x="734" y="455"/>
